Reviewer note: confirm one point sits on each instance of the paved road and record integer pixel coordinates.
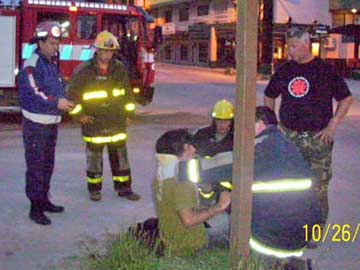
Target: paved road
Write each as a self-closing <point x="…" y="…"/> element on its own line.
<point x="183" y="98"/>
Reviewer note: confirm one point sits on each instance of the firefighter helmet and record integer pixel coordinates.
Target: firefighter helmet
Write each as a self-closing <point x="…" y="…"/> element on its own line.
<point x="223" y="109"/>
<point x="47" y="29"/>
<point x="106" y="41"/>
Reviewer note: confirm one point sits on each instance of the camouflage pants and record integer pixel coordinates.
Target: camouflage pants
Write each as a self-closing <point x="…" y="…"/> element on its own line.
<point x="318" y="155"/>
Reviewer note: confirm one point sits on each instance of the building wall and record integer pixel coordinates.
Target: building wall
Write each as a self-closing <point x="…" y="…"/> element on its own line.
<point x="222" y="13"/>
<point x="180" y="34"/>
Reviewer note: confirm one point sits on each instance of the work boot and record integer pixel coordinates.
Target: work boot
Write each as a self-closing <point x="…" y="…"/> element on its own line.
<point x="128" y="194"/>
<point x="37" y="214"/>
<point x="52" y="208"/>
<point x="95" y="196"/>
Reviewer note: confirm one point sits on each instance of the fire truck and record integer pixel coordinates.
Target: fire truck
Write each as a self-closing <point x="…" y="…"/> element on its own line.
<point x="80" y="22"/>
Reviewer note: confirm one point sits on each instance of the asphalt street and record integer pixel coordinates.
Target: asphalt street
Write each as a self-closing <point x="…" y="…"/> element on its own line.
<point x="183" y="98"/>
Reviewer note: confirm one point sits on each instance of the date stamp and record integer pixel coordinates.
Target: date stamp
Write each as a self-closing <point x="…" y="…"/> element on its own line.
<point x="338" y="233"/>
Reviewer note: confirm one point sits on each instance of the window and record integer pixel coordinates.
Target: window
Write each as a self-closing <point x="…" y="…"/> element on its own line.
<point x="203" y="52"/>
<point x="203" y="10"/>
<point x="155" y="13"/>
<point x="168" y="52"/>
<point x="220" y="7"/>
<point x="338" y="19"/>
<point x="184" y="14"/>
<point x="184" y="53"/>
<point x="62" y="18"/>
<point x="86" y="27"/>
<point x="115" y="24"/>
<point x="168" y="15"/>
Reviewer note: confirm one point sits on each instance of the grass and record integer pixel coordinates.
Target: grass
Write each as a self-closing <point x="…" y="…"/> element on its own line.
<point x="123" y="252"/>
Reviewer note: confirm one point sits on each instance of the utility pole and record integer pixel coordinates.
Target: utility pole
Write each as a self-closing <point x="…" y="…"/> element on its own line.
<point x="241" y="206"/>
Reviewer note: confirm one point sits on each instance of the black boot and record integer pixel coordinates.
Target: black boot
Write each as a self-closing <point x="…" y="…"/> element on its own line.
<point x="48" y="206"/>
<point x="37" y="214"/>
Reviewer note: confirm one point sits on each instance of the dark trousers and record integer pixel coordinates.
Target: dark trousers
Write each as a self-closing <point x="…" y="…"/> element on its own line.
<point x="119" y="164"/>
<point x="39" y="143"/>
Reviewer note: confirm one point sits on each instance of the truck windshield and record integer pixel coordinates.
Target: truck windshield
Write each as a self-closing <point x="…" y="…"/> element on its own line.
<point x="86" y="26"/>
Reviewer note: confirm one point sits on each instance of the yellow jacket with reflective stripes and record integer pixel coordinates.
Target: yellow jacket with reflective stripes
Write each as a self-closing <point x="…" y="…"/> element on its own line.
<point x="105" y="97"/>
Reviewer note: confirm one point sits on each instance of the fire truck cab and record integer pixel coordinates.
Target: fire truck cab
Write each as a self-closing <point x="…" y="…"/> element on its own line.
<point x="80" y="22"/>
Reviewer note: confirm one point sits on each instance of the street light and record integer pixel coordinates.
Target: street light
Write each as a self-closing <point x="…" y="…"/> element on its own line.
<point x="354" y="11"/>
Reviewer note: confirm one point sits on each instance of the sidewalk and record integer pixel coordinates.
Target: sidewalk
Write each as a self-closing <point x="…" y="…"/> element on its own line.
<point x="354" y="85"/>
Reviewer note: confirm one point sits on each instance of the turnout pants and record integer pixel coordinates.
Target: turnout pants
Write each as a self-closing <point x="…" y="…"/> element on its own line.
<point x="119" y="164"/>
<point x="39" y="143"/>
<point x="318" y="155"/>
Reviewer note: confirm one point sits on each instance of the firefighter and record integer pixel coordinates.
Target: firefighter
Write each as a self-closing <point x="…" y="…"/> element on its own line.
<point x="218" y="137"/>
<point x="41" y="96"/>
<point x="100" y="88"/>
<point x="284" y="199"/>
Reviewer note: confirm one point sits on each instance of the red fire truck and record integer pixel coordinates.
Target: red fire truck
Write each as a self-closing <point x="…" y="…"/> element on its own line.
<point x="80" y="22"/>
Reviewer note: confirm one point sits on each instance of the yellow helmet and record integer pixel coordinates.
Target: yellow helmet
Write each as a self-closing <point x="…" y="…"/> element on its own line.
<point x="223" y="109"/>
<point x="106" y="41"/>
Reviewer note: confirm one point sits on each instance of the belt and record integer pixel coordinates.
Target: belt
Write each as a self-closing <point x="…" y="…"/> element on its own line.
<point x="303" y="134"/>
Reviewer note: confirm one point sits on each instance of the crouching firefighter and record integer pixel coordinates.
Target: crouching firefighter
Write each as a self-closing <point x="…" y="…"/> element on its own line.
<point x="284" y="199"/>
<point x="219" y="136"/>
<point x="101" y="91"/>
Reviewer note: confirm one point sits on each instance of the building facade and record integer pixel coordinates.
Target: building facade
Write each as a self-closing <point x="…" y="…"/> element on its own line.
<point x="202" y="32"/>
<point x="196" y="31"/>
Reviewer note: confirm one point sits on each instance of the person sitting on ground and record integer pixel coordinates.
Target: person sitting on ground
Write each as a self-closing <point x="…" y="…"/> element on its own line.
<point x="181" y="222"/>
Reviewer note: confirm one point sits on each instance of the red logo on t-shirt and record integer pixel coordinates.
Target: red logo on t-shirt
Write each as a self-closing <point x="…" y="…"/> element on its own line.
<point x="298" y="87"/>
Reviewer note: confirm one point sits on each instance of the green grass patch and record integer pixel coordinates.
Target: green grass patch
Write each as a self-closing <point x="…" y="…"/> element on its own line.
<point x="123" y="252"/>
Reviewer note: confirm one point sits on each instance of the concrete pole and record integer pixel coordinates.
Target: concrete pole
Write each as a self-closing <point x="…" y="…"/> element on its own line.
<point x="241" y="207"/>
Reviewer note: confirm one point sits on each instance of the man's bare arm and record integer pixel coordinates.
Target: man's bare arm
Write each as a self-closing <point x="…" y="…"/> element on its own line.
<point x="326" y="135"/>
<point x="190" y="217"/>
<point x="269" y="102"/>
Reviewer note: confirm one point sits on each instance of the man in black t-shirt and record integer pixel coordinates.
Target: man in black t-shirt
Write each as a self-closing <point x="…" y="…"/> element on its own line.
<point x="307" y="86"/>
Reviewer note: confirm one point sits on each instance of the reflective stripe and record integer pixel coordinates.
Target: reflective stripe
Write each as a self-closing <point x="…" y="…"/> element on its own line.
<point x="45" y="119"/>
<point x="118" y="92"/>
<point x="32" y="81"/>
<point x="136" y="90"/>
<point x="95" y="95"/>
<point x="206" y="195"/>
<point x="193" y="170"/>
<point x="130" y="107"/>
<point x="284" y="185"/>
<point x="66" y="52"/>
<point x="226" y="184"/>
<point x="76" y="110"/>
<point x="121" y="179"/>
<point x="85" y="54"/>
<point x="279" y="253"/>
<point x="109" y="139"/>
<point x="94" y="180"/>
<point x="28" y="50"/>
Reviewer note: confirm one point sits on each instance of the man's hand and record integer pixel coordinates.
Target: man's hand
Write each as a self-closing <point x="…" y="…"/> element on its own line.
<point x="86" y="120"/>
<point x="326" y="135"/>
<point x="224" y="200"/>
<point x="65" y="104"/>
